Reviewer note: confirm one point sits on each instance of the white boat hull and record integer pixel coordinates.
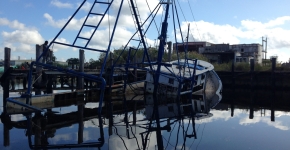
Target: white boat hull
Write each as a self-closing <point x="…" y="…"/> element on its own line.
<point x="168" y="83"/>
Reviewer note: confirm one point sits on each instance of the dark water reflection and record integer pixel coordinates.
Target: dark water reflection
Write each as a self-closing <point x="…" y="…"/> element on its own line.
<point x="157" y="122"/>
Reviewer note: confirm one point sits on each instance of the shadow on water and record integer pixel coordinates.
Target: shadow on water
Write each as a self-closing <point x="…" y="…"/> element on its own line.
<point x="129" y="122"/>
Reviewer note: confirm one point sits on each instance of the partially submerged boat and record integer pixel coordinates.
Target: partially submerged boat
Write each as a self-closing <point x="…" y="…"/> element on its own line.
<point x="184" y="76"/>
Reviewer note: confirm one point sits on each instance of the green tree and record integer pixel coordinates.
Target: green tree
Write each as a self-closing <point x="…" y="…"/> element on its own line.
<point x="73" y="62"/>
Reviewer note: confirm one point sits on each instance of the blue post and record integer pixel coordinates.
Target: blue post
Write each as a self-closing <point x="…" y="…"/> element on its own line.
<point x="162" y="43"/>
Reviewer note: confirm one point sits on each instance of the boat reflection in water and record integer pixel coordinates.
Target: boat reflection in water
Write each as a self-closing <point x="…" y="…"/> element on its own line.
<point x="165" y="122"/>
<point x="126" y="122"/>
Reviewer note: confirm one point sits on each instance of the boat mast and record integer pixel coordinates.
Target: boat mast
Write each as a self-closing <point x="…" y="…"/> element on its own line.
<point x="162" y="42"/>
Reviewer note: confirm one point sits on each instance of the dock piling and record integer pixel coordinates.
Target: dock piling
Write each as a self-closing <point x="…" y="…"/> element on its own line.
<point x="81" y="69"/>
<point x="6" y="82"/>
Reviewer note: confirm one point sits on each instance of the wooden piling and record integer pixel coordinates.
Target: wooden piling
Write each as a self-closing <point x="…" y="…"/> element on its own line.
<point x="110" y="128"/>
<point x="37" y="129"/>
<point x="273" y="89"/>
<point x="252" y="64"/>
<point x="81" y="69"/>
<point x="233" y="73"/>
<point x="252" y="68"/>
<point x="6" y="94"/>
<point x="6" y="82"/>
<point x="80" y="122"/>
<point x="72" y="83"/>
<point x="233" y="87"/>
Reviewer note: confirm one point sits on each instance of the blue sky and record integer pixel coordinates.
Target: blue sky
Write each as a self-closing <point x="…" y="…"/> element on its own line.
<point x="25" y="23"/>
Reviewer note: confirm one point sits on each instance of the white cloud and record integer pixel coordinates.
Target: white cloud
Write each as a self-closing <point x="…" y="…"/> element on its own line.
<point x="86" y="7"/>
<point x="259" y="119"/>
<point x="57" y="47"/>
<point x="12" y="24"/>
<point x="212" y="32"/>
<point x="250" y="24"/>
<point x="73" y="25"/>
<point x="248" y="30"/>
<point x="23" y="36"/>
<point x="59" y="4"/>
<point x="23" y="39"/>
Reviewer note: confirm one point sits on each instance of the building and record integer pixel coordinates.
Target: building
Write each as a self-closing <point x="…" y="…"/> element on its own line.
<point x="191" y="46"/>
<point x="223" y="53"/>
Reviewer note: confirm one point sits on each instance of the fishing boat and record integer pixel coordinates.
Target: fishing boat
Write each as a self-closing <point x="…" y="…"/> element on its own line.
<point x="184" y="76"/>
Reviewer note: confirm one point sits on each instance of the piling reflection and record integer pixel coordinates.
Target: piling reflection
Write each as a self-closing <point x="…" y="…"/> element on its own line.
<point x="41" y="128"/>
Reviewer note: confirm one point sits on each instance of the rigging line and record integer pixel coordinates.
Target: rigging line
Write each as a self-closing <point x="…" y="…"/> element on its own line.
<point x="134" y="135"/>
<point x="163" y="8"/>
<point x="185" y="18"/>
<point x="194" y="19"/>
<point x="170" y="135"/>
<point x="185" y="134"/>
<point x="194" y="139"/>
<point x="192" y="35"/>
<point x="167" y="142"/>
<point x="181" y="11"/>
<point x="149" y="141"/>
<point x="201" y="136"/>
<point x="120" y="137"/>
<point x="151" y="120"/>
<point x="177" y="135"/>
<point x="174" y="27"/>
<point x="157" y="7"/>
<point x="152" y="16"/>
<point x="182" y="39"/>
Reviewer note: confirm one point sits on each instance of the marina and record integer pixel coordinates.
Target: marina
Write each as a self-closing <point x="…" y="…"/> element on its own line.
<point x="139" y="96"/>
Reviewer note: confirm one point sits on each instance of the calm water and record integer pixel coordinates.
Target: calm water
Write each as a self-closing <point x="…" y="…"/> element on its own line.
<point x="242" y="119"/>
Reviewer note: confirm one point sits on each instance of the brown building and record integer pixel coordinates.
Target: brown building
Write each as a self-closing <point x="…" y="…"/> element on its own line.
<point x="191" y="46"/>
<point x="223" y="53"/>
